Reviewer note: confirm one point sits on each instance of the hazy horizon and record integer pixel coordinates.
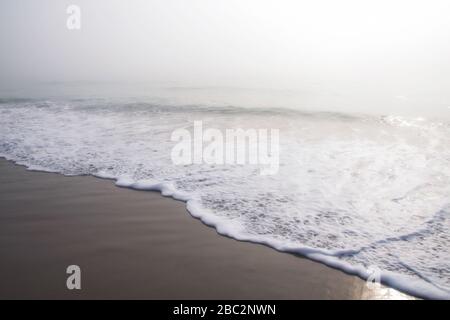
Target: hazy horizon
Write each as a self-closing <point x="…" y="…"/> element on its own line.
<point x="357" y="55"/>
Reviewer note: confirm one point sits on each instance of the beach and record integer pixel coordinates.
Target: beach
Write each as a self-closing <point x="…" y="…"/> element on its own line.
<point x="140" y="245"/>
<point x="235" y="150"/>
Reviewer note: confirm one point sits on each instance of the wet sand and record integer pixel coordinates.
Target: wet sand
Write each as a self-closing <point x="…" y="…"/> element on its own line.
<point x="139" y="245"/>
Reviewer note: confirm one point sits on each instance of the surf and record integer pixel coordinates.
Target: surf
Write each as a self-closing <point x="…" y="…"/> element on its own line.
<point x="352" y="191"/>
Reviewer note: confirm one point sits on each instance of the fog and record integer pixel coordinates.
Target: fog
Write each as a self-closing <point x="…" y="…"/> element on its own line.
<point x="382" y="55"/>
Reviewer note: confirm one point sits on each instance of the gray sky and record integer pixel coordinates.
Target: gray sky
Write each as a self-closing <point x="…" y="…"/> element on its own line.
<point x="357" y="47"/>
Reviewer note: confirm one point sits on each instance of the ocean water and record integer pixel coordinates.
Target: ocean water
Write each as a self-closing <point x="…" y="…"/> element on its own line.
<point x="355" y="192"/>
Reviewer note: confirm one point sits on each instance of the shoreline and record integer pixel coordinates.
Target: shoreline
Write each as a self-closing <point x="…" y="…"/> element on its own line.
<point x="130" y="242"/>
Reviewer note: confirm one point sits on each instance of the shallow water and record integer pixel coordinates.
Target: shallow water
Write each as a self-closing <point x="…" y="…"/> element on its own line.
<point x="355" y="192"/>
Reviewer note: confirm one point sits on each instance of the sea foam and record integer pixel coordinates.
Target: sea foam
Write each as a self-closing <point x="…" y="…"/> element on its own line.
<point x="352" y="192"/>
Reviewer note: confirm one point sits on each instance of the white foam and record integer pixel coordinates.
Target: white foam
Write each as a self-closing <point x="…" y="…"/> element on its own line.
<point x="352" y="192"/>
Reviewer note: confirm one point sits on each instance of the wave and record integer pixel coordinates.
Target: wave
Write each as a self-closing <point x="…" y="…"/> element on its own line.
<point x="353" y="191"/>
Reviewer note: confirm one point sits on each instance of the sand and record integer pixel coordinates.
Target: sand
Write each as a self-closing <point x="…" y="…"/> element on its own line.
<point x="139" y="245"/>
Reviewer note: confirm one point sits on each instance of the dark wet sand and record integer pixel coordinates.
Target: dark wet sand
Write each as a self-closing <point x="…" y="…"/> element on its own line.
<point x="137" y="244"/>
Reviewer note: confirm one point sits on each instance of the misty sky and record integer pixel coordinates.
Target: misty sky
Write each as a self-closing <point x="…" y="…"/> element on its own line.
<point x="397" y="47"/>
